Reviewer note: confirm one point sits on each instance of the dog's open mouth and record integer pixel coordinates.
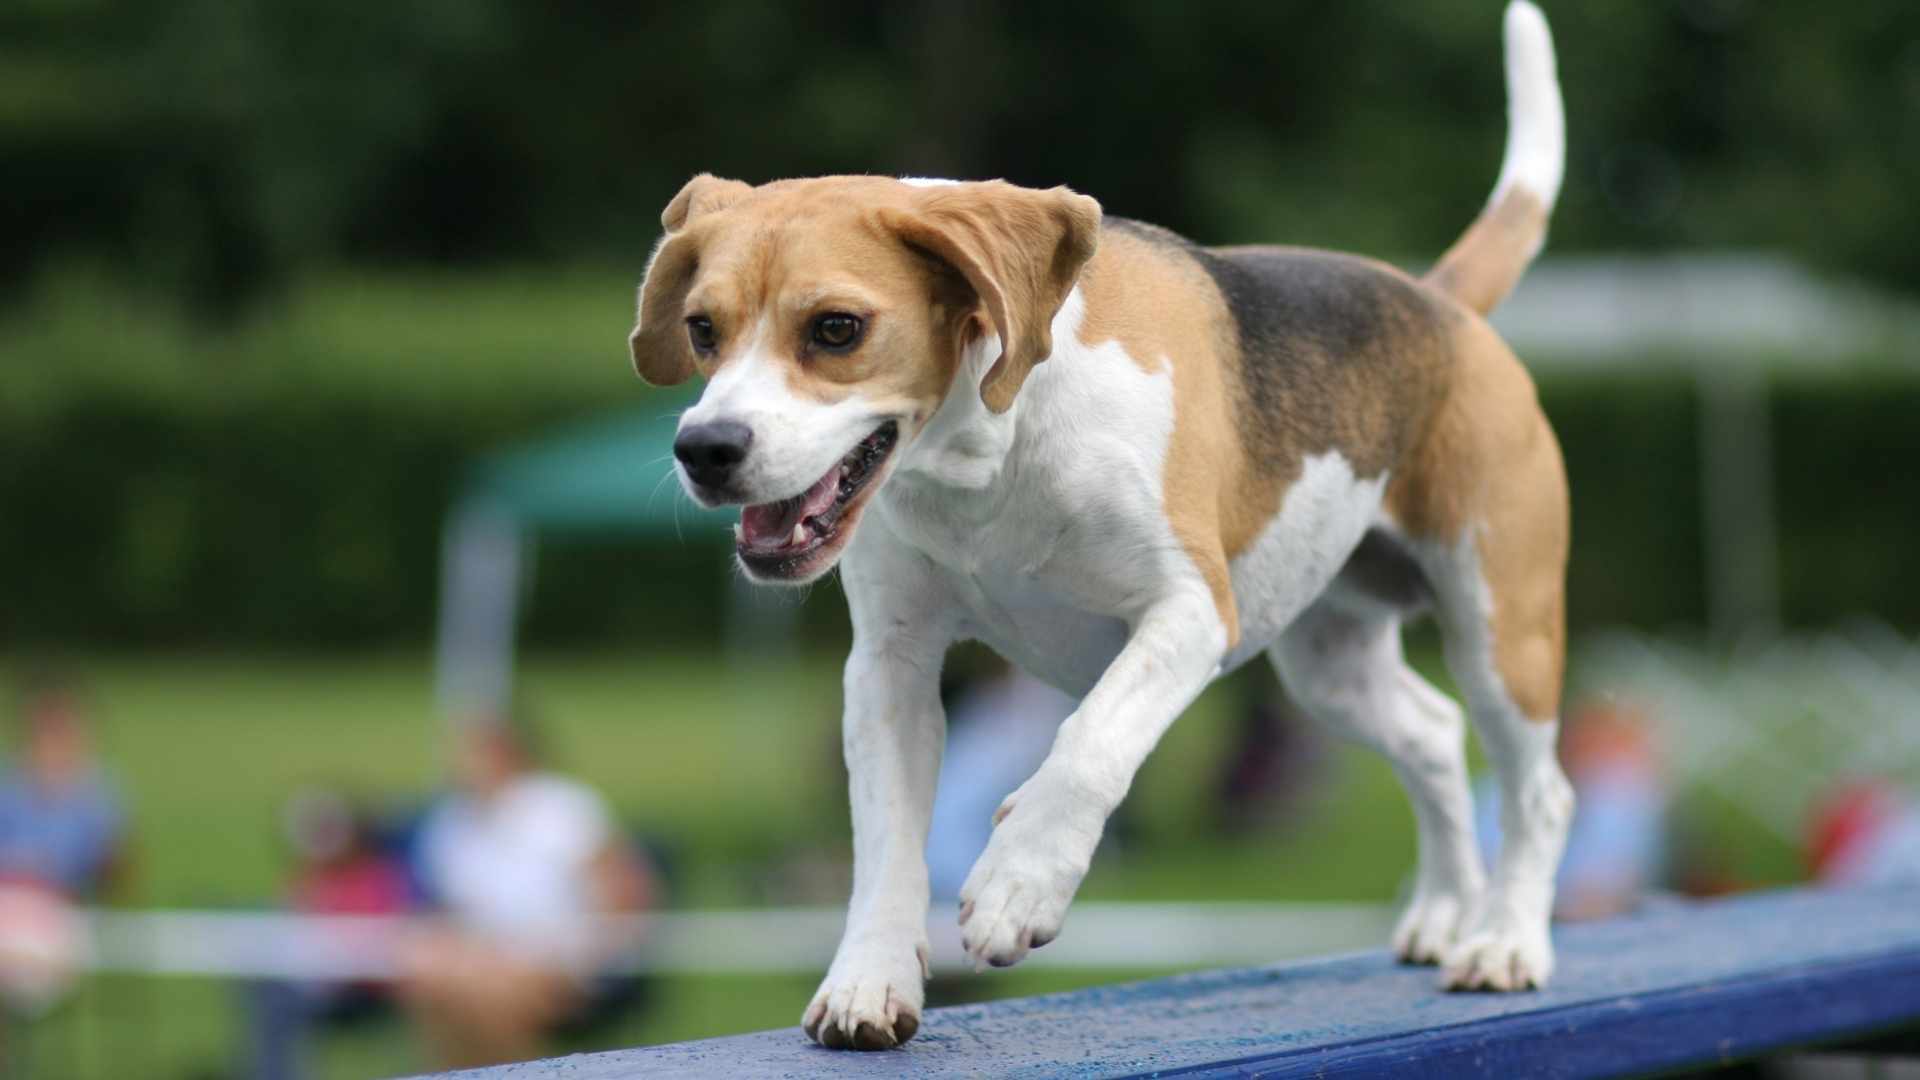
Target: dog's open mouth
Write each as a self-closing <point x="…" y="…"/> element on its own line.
<point x="776" y="539"/>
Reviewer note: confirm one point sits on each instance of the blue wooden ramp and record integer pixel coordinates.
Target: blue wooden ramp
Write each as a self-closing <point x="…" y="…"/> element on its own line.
<point x="1678" y="985"/>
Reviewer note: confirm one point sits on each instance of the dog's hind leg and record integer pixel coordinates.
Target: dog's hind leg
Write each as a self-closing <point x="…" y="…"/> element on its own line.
<point x="1505" y="652"/>
<point x="1480" y="506"/>
<point x="1341" y="661"/>
<point x="1498" y="572"/>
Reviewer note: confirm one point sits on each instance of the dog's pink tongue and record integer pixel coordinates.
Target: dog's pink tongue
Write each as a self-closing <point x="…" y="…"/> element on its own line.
<point x="770" y="525"/>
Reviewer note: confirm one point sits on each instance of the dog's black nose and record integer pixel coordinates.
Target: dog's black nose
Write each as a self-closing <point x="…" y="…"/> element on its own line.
<point x="709" y="452"/>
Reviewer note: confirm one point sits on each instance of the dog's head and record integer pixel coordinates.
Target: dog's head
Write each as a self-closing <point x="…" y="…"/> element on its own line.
<point x="829" y="318"/>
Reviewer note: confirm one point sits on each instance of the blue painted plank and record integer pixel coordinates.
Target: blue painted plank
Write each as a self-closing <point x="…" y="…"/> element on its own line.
<point x="1677" y="985"/>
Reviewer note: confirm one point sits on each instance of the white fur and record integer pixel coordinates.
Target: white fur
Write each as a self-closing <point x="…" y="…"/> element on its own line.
<point x="1504" y="943"/>
<point x="1536" y="123"/>
<point x="892" y="735"/>
<point x="1342" y="662"/>
<point x="927" y="181"/>
<point x="1322" y="517"/>
<point x="1042" y="531"/>
<point x="1054" y="560"/>
<point x="795" y="439"/>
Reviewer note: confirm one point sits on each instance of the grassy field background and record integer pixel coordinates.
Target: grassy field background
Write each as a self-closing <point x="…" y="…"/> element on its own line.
<point x="735" y="771"/>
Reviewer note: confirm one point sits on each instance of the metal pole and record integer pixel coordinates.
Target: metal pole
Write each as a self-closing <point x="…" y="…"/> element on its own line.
<point x="1741" y="540"/>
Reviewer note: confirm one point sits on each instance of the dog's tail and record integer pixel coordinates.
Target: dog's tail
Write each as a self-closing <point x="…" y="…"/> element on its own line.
<point x="1486" y="262"/>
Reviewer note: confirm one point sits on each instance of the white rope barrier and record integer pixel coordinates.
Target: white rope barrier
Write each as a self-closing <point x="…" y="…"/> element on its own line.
<point x="792" y="940"/>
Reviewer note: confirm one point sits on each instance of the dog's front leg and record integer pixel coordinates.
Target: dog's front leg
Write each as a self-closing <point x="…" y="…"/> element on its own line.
<point x="1045" y="832"/>
<point x="893" y="732"/>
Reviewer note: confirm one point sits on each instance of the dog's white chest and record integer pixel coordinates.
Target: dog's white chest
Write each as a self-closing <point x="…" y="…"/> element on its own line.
<point x="1033" y="581"/>
<point x="1055" y="640"/>
<point x="1049" y="545"/>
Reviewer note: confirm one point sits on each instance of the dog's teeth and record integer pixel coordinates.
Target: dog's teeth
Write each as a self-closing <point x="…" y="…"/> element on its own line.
<point x="739" y="534"/>
<point x="800" y="533"/>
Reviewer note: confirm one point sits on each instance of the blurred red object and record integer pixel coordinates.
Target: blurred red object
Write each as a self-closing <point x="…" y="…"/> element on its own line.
<point x="41" y="943"/>
<point x="1846" y="825"/>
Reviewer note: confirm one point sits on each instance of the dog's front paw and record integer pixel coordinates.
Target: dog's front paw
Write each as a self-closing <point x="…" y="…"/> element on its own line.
<point x="1428" y="927"/>
<point x="1502" y="950"/>
<point x="870" y="999"/>
<point x="1017" y="895"/>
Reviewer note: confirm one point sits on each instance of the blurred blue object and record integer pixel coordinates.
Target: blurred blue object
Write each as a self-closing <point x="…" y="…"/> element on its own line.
<point x="1000" y="732"/>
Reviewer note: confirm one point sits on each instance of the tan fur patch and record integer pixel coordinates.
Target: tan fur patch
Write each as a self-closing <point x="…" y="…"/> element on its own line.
<point x="1489" y="467"/>
<point x="1484" y="265"/>
<point x="1165" y="312"/>
<point x="1415" y="386"/>
<point x="1259" y="387"/>
<point x="763" y="263"/>
<point x="917" y="265"/>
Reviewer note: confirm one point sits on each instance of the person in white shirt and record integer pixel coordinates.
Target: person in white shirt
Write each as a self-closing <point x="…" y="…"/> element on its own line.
<point x="523" y="864"/>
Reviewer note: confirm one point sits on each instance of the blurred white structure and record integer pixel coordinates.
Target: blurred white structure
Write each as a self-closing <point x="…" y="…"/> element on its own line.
<point x="1106" y="936"/>
<point x="1729" y="319"/>
<point x="1735" y="309"/>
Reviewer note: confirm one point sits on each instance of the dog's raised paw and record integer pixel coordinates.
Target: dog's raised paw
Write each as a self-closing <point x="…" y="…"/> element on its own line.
<point x="1016" y="898"/>
<point x="868" y="1001"/>
<point x="1007" y="922"/>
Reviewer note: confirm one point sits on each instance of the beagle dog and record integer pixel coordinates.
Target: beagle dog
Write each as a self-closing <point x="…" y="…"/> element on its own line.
<point x="1131" y="464"/>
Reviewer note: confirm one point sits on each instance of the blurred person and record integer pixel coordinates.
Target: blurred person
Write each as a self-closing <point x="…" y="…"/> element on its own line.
<point x="1616" y="847"/>
<point x="523" y="864"/>
<point x="62" y="836"/>
<point x="341" y="868"/>
<point x="1865" y="834"/>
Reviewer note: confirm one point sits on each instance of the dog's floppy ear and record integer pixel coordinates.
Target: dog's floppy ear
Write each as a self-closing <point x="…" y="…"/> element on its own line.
<point x="661" y="353"/>
<point x="1020" y="250"/>
<point x="702" y="195"/>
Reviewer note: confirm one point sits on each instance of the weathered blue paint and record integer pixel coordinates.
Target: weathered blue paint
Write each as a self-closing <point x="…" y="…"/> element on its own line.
<point x="1676" y="985"/>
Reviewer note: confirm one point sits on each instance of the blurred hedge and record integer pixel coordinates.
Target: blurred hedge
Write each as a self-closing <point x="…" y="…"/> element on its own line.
<point x="295" y="520"/>
<point x="290" y="519"/>
<point x="286" y="486"/>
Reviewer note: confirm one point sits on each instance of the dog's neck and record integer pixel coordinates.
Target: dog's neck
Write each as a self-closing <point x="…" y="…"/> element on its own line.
<point x="965" y="444"/>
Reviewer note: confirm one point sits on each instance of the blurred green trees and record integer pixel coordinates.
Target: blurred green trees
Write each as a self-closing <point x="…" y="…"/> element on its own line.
<point x="237" y="393"/>
<point x="211" y="149"/>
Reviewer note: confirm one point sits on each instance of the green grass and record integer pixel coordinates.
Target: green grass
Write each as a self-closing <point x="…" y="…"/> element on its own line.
<point x="736" y="770"/>
<point x="728" y="767"/>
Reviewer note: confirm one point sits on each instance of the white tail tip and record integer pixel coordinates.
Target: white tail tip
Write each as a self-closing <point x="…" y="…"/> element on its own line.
<point x="1536" y="125"/>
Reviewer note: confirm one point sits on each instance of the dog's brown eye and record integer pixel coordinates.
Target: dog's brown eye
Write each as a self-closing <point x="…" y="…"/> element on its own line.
<point x="700" y="332"/>
<point x="836" y="330"/>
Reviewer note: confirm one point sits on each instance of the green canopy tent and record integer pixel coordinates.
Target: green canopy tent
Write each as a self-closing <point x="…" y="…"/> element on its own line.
<point x="609" y="477"/>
